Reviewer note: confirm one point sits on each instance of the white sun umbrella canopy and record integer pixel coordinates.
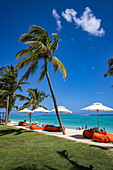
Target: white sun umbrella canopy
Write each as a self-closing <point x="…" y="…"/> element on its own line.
<point x="26" y="110"/>
<point x="97" y="107"/>
<point x="62" y="109"/>
<point x="40" y="109"/>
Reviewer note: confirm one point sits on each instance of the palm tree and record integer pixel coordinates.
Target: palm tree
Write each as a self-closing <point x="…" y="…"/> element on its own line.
<point x="34" y="99"/>
<point x="8" y="87"/>
<point x="110" y="70"/>
<point x="41" y="47"/>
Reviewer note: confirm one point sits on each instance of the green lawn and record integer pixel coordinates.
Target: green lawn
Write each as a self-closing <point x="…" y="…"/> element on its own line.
<point x="27" y="150"/>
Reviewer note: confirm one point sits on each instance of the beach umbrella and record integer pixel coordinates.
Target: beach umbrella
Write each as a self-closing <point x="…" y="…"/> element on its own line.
<point x="26" y="110"/>
<point x="40" y="109"/>
<point x="97" y="107"/>
<point x="62" y="109"/>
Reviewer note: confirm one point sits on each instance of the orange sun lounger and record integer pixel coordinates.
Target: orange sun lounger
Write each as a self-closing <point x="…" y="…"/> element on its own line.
<point x="88" y="133"/>
<point x="26" y="124"/>
<point x="35" y="127"/>
<point x="103" y="137"/>
<point x="53" y="128"/>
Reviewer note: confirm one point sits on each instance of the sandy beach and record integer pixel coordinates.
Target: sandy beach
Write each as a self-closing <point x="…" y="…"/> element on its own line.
<point x="71" y="134"/>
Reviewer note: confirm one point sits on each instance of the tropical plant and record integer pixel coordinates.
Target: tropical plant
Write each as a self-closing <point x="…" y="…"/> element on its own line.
<point x="34" y="99"/>
<point x="110" y="70"/>
<point x="41" y="47"/>
<point x="8" y="86"/>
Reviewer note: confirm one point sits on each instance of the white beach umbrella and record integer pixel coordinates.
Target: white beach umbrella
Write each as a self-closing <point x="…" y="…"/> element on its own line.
<point x="62" y="109"/>
<point x="97" y="107"/>
<point x="40" y="109"/>
<point x="26" y="110"/>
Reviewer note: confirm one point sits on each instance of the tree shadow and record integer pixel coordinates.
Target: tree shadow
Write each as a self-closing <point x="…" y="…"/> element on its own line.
<point x="77" y="136"/>
<point x="27" y="167"/>
<point x="50" y="168"/>
<point x="13" y="131"/>
<point x="32" y="167"/>
<point x="65" y="155"/>
<point x="102" y="147"/>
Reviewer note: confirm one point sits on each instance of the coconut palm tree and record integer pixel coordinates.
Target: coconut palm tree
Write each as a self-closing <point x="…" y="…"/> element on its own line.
<point x="8" y="86"/>
<point x="110" y="70"/>
<point x="34" y="99"/>
<point x="41" y="47"/>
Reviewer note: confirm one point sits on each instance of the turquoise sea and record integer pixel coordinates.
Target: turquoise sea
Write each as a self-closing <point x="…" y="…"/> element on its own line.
<point x="70" y="121"/>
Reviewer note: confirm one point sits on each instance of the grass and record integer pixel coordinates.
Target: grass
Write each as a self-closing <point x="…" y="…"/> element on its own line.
<point x="28" y="150"/>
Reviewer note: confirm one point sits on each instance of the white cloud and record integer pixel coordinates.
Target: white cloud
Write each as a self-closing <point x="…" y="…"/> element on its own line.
<point x="87" y="21"/>
<point x="57" y="17"/>
<point x="69" y="14"/>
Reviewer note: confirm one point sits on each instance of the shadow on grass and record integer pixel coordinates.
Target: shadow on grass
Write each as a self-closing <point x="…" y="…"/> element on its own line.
<point x="102" y="147"/>
<point x="65" y="155"/>
<point x="11" y="131"/>
<point x="31" y="167"/>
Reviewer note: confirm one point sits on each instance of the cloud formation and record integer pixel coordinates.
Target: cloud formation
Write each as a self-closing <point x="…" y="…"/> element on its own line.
<point x="88" y="22"/>
<point x="57" y="17"/>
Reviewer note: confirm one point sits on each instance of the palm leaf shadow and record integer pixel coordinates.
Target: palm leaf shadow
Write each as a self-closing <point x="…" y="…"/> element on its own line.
<point x="13" y="131"/>
<point x="65" y="155"/>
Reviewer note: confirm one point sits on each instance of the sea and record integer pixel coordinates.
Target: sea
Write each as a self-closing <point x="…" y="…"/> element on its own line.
<point x="70" y="121"/>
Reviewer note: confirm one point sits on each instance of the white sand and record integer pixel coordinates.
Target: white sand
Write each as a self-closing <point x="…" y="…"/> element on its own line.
<point x="71" y="134"/>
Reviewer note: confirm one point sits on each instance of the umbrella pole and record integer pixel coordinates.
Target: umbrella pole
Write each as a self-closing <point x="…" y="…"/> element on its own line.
<point x="30" y="118"/>
<point x="98" y="119"/>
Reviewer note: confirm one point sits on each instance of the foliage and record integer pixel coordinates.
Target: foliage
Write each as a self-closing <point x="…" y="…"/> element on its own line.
<point x="9" y="85"/>
<point x="34" y="99"/>
<point x="41" y="47"/>
<point x="110" y="69"/>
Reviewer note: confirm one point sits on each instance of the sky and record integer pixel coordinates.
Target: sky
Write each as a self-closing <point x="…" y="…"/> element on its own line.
<point x="86" y="43"/>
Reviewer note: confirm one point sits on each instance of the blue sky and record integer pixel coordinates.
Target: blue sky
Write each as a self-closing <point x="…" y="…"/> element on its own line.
<point x="86" y="43"/>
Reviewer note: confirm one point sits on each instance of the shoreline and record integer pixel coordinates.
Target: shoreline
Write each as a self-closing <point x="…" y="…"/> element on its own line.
<point x="71" y="134"/>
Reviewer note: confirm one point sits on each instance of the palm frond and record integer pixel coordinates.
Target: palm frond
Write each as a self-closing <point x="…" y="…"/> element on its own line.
<point x="36" y="30"/>
<point x="26" y="105"/>
<point x="110" y="62"/>
<point x="42" y="75"/>
<point x="30" y="71"/>
<point x="27" y="37"/>
<point x="109" y="73"/>
<point x="40" y="33"/>
<point x="43" y="107"/>
<point x="56" y="36"/>
<point x="110" y="69"/>
<point x="21" y="97"/>
<point x="37" y="44"/>
<point x="16" y="107"/>
<point x="58" y="64"/>
<point x="3" y="91"/>
<point x="54" y="46"/>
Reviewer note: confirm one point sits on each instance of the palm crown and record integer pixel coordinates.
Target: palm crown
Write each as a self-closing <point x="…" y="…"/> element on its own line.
<point x="41" y="47"/>
<point x="8" y="86"/>
<point x="35" y="97"/>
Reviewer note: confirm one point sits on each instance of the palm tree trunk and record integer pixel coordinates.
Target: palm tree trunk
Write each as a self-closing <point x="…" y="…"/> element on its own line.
<point x="7" y="110"/>
<point x="54" y="99"/>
